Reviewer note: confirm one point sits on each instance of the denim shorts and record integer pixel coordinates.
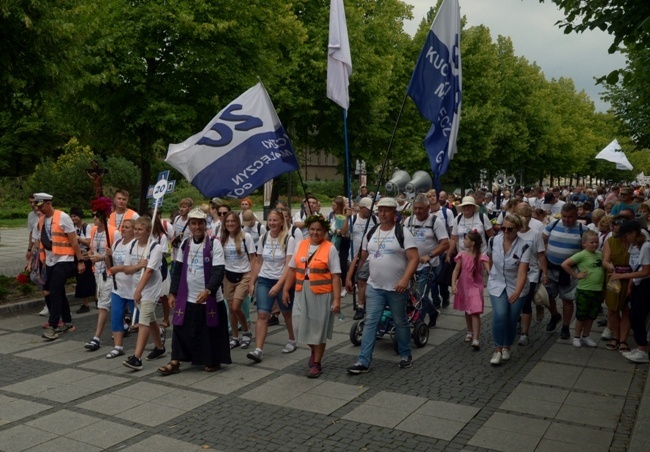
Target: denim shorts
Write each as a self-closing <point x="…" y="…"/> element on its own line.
<point x="265" y="301"/>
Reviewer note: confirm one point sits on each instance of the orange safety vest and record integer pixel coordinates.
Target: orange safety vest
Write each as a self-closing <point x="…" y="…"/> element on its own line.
<point x="112" y="220"/>
<point x="320" y="278"/>
<point x="60" y="242"/>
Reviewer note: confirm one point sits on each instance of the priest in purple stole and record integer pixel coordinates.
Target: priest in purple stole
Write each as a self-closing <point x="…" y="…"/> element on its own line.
<point x="199" y="313"/>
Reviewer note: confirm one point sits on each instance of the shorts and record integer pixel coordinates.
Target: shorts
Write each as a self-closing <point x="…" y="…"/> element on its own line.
<point x="147" y="310"/>
<point x="265" y="301"/>
<point x="236" y="291"/>
<point x="104" y="289"/>
<point x="363" y="273"/>
<point x="554" y="288"/>
<point x="118" y="305"/>
<point x="588" y="304"/>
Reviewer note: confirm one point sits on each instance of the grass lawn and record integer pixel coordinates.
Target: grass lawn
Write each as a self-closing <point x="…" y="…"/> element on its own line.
<point x="14" y="223"/>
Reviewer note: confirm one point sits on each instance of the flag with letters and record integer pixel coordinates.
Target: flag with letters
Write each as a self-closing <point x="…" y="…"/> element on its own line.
<point x="339" y="60"/>
<point x="244" y="146"/>
<point x="435" y="86"/>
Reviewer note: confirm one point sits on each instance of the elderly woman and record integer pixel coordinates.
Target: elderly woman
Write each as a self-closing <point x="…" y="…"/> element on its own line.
<point x="468" y="220"/>
<point x="637" y="290"/>
<point x="507" y="285"/>
<point x="316" y="272"/>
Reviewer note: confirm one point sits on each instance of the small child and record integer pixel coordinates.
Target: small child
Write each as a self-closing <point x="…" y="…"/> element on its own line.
<point x="589" y="294"/>
<point x="468" y="289"/>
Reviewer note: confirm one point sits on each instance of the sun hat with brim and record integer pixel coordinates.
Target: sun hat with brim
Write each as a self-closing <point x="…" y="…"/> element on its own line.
<point x="197" y="214"/>
<point x="387" y="202"/>
<point x="627" y="191"/>
<point x="42" y="198"/>
<point x="248" y="218"/>
<point x="468" y="201"/>
<point x="365" y="202"/>
<point x="541" y="296"/>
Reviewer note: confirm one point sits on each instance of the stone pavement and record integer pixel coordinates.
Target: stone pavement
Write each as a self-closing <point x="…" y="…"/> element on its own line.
<point x="549" y="396"/>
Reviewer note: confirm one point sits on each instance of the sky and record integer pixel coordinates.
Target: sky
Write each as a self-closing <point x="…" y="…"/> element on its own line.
<point x="531" y="27"/>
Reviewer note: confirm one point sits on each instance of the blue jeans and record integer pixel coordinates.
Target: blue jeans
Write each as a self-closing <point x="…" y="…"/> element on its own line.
<point x="376" y="300"/>
<point x="265" y="301"/>
<point x="425" y="279"/>
<point x="118" y="305"/>
<point x="504" y="319"/>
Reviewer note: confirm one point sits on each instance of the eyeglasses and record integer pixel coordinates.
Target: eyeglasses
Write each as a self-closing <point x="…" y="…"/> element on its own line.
<point x="221" y="214"/>
<point x="505" y="229"/>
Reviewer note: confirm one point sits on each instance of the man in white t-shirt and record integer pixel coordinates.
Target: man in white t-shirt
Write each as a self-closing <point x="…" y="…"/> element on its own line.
<point x="311" y="207"/>
<point x="432" y="240"/>
<point x="393" y="259"/>
<point x="359" y="222"/>
<point x="58" y="248"/>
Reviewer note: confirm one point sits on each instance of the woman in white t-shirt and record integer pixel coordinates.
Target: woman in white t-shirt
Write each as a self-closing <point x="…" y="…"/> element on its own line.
<point x="274" y="251"/>
<point x="239" y="252"/>
<point x="638" y="291"/>
<point x="122" y="293"/>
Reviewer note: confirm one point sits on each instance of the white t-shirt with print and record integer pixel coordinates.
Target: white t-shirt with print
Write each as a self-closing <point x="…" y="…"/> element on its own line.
<point x="465" y="225"/>
<point x="387" y="259"/>
<point x="357" y="230"/>
<point x="536" y="244"/>
<point x="273" y="257"/>
<point x="427" y="235"/>
<point x="153" y="288"/>
<point x="253" y="231"/>
<point x="239" y="263"/>
<point x="124" y="282"/>
<point x="638" y="258"/>
<point x="195" y="268"/>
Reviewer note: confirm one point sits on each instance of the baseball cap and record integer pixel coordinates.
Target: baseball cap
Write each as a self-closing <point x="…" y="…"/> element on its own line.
<point x="387" y="202"/>
<point x="365" y="202"/>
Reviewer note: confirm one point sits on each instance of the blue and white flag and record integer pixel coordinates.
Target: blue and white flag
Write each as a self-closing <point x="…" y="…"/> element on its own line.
<point x="435" y="86"/>
<point x="244" y="146"/>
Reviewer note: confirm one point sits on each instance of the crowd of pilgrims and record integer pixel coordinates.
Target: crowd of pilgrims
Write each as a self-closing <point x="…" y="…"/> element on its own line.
<point x="208" y="265"/>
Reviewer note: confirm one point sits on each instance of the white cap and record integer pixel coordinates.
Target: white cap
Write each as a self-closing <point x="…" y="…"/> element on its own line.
<point x="387" y="202"/>
<point x="40" y="198"/>
<point x="365" y="202"/>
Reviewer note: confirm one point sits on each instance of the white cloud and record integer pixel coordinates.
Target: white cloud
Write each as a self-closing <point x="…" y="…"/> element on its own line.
<point x="531" y="26"/>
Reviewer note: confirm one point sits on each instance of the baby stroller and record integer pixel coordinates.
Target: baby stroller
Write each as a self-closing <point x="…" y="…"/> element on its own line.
<point x="419" y="329"/>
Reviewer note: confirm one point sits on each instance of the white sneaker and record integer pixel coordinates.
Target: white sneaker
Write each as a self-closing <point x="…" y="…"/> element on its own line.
<point x="589" y="342"/>
<point x="344" y="293"/>
<point x="45" y="312"/>
<point x="577" y="343"/>
<point x="505" y="354"/>
<point x="607" y="334"/>
<point x="496" y="359"/>
<point x="523" y="340"/>
<point x="637" y="356"/>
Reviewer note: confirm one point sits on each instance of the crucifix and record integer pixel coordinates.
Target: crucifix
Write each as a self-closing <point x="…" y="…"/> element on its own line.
<point x="97" y="174"/>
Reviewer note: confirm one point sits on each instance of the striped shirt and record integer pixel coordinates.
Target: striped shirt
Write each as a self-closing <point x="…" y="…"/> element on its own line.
<point x="563" y="242"/>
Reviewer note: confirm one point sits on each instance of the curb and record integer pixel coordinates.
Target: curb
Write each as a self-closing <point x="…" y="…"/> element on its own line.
<point x="28" y="306"/>
<point x="639" y="436"/>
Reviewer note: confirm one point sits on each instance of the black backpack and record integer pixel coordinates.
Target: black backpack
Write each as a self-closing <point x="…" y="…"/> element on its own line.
<point x="399" y="233"/>
<point x="481" y="217"/>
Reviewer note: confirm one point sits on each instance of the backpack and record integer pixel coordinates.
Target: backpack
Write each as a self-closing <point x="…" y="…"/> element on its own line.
<point x="163" y="264"/>
<point x="481" y="217"/>
<point x="414" y="226"/>
<point x="558" y="220"/>
<point x="399" y="233"/>
<point x="372" y="217"/>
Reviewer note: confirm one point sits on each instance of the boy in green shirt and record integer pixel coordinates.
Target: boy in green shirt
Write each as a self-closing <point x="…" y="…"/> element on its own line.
<point x="589" y="294"/>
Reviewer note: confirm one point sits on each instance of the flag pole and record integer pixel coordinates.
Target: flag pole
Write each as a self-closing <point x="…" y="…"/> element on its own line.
<point x="304" y="190"/>
<point x="349" y="195"/>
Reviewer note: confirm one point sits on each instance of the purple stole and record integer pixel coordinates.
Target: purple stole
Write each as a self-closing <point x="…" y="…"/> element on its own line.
<point x="212" y="317"/>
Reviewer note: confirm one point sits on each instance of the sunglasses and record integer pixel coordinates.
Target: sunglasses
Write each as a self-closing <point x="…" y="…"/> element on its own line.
<point x="221" y="214"/>
<point x="505" y="229"/>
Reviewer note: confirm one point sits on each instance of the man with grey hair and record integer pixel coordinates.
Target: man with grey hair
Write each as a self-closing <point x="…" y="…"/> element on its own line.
<point x="432" y="240"/>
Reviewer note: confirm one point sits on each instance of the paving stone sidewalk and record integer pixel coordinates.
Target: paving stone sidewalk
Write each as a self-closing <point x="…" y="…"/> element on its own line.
<point x="549" y="396"/>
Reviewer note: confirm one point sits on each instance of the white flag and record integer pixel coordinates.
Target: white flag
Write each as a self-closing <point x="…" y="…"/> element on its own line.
<point x="339" y="60"/>
<point x="613" y="153"/>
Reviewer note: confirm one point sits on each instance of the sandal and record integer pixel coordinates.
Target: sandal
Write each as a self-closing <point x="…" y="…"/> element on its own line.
<point x="234" y="343"/>
<point x="92" y="345"/>
<point x="115" y="353"/>
<point x="246" y="340"/>
<point x="623" y="347"/>
<point x="469" y="336"/>
<point x="172" y="367"/>
<point x="212" y="369"/>
<point x="612" y="344"/>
